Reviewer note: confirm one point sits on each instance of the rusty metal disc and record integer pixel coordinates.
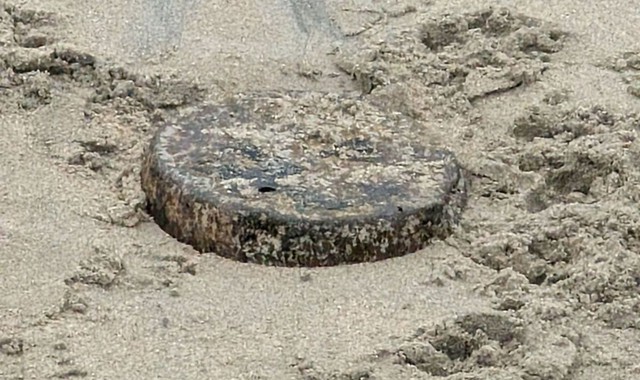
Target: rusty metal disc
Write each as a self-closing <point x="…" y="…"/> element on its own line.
<point x="300" y="179"/>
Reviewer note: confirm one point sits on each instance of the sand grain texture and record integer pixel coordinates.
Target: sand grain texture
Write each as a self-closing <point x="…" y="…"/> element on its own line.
<point x="539" y="102"/>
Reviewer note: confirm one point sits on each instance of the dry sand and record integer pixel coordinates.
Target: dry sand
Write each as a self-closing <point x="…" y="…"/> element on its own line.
<point x="540" y="281"/>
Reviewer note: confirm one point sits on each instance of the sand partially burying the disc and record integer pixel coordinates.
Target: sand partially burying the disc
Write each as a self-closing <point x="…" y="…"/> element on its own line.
<point x="539" y="281"/>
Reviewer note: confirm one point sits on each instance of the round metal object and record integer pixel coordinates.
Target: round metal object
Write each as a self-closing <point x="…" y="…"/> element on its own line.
<point x="300" y="179"/>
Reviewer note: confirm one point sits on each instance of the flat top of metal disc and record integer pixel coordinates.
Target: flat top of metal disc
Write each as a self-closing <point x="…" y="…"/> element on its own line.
<point x="305" y="155"/>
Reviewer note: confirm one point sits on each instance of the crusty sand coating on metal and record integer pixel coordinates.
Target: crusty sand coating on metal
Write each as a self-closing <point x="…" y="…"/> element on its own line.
<point x="300" y="179"/>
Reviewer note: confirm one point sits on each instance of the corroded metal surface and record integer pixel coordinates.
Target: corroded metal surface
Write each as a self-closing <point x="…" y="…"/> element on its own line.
<point x="300" y="179"/>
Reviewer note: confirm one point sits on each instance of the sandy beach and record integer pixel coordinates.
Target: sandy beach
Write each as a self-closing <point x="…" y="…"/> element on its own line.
<point x="538" y="100"/>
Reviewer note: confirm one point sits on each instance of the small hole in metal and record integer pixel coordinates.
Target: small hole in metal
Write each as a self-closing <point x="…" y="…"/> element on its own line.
<point x="267" y="189"/>
<point x="400" y="209"/>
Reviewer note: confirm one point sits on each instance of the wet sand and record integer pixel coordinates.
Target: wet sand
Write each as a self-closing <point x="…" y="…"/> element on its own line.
<point x="540" y="280"/>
